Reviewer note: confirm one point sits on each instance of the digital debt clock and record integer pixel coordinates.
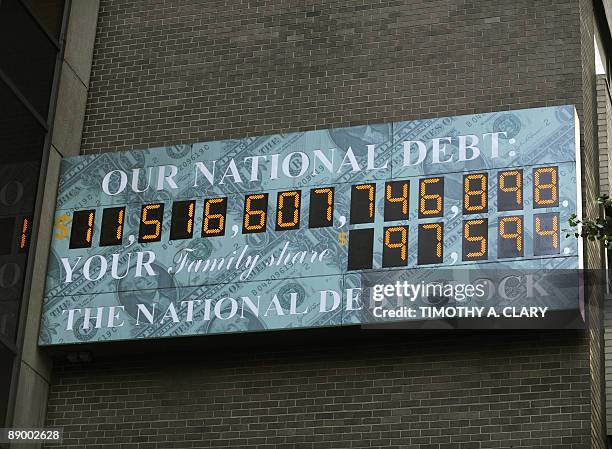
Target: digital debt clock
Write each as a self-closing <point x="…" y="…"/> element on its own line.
<point x="284" y="231"/>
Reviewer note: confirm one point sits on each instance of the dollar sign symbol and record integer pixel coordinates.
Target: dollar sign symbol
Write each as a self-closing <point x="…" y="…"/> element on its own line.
<point x="342" y="238"/>
<point x="60" y="227"/>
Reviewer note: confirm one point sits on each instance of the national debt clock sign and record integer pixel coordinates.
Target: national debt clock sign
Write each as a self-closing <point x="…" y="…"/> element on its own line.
<point x="319" y="228"/>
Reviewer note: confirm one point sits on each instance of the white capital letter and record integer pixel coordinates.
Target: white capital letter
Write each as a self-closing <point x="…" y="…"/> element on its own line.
<point x="147" y="265"/>
<point x="210" y="175"/>
<point x="122" y="182"/>
<point x="472" y="146"/>
<point x="438" y="150"/>
<point x="68" y="268"/>
<point x="161" y="176"/>
<point x="422" y="152"/>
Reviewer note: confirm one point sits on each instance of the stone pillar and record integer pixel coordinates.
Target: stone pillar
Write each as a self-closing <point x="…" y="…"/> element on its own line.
<point x="35" y="366"/>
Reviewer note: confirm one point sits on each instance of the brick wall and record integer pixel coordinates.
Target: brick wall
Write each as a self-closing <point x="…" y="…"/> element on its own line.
<point x="186" y="71"/>
<point x="422" y="390"/>
<point x="592" y="250"/>
<point x="604" y="128"/>
<point x="604" y="124"/>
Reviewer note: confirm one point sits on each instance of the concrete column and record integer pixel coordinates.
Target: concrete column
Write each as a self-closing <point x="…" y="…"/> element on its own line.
<point x="35" y="366"/>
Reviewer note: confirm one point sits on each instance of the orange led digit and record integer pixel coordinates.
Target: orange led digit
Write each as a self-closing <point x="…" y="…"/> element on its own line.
<point x="288" y="205"/>
<point x="403" y="240"/>
<point x="396" y="200"/>
<point x="546" y="237"/>
<point x="475" y="193"/>
<point x="553" y="232"/>
<point x="25" y="228"/>
<point x="517" y="235"/>
<point x="545" y="187"/>
<point x="510" y="190"/>
<point x="475" y="239"/>
<point x="329" y="193"/>
<point x="255" y="207"/>
<point x="430" y="247"/>
<point x="395" y="250"/>
<point x="119" y="233"/>
<point x="181" y="220"/>
<point x="215" y="210"/>
<point x="321" y="208"/>
<point x="190" y="214"/>
<point x="81" y="232"/>
<point x="190" y="211"/>
<point x="362" y="203"/>
<point x="146" y="220"/>
<point x="510" y="242"/>
<point x="111" y="230"/>
<point x="370" y="189"/>
<point x="431" y="191"/>
<point x="438" y="228"/>
<point x="90" y="222"/>
<point x="151" y="218"/>
<point x="254" y="213"/>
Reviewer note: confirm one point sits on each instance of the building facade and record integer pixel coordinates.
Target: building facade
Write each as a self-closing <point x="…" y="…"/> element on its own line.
<point x="28" y="92"/>
<point x="148" y="73"/>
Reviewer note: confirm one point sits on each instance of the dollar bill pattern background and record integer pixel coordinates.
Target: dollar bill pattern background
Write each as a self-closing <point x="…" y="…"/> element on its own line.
<point x="543" y="136"/>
